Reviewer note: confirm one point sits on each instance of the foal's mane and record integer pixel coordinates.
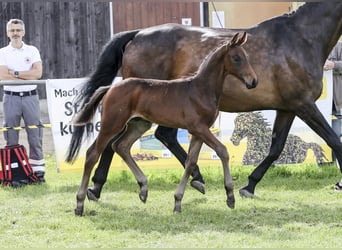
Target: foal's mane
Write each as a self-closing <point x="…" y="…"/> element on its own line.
<point x="214" y="55"/>
<point x="219" y="52"/>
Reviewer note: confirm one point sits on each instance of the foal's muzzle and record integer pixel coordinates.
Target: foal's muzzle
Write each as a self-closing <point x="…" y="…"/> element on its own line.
<point x="253" y="84"/>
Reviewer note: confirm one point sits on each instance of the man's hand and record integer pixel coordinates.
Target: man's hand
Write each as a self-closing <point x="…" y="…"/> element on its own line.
<point x="328" y="65"/>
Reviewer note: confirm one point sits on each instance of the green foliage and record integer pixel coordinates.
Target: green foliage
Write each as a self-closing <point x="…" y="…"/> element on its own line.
<point x="295" y="206"/>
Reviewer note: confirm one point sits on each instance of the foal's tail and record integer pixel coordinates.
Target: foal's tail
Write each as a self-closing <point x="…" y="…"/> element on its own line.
<point x="80" y="122"/>
<point x="87" y="112"/>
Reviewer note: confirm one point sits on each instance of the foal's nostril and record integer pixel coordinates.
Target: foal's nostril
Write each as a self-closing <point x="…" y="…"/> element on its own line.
<point x="255" y="82"/>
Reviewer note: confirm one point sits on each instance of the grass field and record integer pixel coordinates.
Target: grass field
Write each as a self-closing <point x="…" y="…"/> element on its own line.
<point x="295" y="207"/>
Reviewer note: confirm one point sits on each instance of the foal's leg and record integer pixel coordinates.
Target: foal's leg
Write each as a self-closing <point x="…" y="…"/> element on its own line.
<point x="123" y="147"/>
<point x="194" y="149"/>
<point x="281" y="128"/>
<point x="168" y="136"/>
<point x="107" y="131"/>
<point x="91" y="157"/>
<point x="135" y="128"/>
<point x="190" y="163"/>
<point x="222" y="153"/>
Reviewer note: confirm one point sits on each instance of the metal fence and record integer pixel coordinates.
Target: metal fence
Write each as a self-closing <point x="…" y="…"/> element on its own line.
<point x="41" y="84"/>
<point x="40" y="87"/>
<point x="22" y="82"/>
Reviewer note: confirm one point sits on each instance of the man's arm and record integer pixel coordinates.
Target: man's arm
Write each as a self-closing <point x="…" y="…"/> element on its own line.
<point x="336" y="57"/>
<point x="4" y="73"/>
<point x="34" y="73"/>
<point x="338" y="60"/>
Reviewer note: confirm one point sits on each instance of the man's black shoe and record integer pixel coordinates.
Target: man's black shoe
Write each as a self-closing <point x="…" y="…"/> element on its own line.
<point x="40" y="175"/>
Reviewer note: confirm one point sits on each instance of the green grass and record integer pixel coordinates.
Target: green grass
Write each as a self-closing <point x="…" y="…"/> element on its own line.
<point x="295" y="207"/>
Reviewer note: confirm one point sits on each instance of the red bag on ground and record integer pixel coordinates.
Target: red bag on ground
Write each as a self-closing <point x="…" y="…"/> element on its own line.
<point x="15" y="167"/>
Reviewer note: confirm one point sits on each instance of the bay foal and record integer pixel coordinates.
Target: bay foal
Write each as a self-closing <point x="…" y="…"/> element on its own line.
<point x="190" y="103"/>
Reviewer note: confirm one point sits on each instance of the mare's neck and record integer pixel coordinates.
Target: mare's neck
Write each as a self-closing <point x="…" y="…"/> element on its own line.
<point x="321" y="22"/>
<point x="314" y="28"/>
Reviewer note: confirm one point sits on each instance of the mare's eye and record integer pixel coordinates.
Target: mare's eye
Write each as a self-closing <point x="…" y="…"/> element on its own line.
<point x="236" y="58"/>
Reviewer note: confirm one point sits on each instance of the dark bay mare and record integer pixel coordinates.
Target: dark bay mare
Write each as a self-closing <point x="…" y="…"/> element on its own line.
<point x="190" y="103"/>
<point x="287" y="53"/>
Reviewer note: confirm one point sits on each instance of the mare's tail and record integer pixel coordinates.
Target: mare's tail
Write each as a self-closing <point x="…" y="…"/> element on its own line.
<point x="80" y="122"/>
<point x="106" y="70"/>
<point x="107" y="66"/>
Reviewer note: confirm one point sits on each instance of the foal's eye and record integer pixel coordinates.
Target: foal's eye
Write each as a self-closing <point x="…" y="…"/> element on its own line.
<point x="236" y="58"/>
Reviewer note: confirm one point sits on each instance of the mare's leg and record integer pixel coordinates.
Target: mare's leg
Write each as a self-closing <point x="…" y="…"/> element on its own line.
<point x="168" y="136"/>
<point x="101" y="172"/>
<point x="281" y="128"/>
<point x="313" y="117"/>
<point x="190" y="163"/>
<point x="91" y="157"/>
<point x="135" y="128"/>
<point x="123" y="147"/>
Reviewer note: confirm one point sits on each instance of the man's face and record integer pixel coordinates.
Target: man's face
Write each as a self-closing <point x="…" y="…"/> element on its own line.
<point x="15" y="32"/>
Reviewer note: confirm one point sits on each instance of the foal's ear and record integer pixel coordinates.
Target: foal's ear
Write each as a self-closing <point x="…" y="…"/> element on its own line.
<point x="234" y="40"/>
<point x="243" y="39"/>
<point x="238" y="41"/>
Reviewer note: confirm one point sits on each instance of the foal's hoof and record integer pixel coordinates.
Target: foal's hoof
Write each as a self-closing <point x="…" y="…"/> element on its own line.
<point x="231" y="202"/>
<point x="92" y="196"/>
<point x="199" y="186"/>
<point x="78" y="211"/>
<point x="143" y="196"/>
<point x="245" y="193"/>
<point x="177" y="210"/>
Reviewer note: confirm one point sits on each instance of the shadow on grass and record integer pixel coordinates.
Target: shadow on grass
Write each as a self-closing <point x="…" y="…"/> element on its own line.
<point x="197" y="219"/>
<point x="308" y="178"/>
<point x="198" y="215"/>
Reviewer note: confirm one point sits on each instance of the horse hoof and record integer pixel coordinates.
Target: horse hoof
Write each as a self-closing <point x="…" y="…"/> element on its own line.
<point x="143" y="196"/>
<point x="199" y="186"/>
<point x="91" y="195"/>
<point x="177" y="210"/>
<point x="78" y="211"/>
<point x="245" y="193"/>
<point x="231" y="202"/>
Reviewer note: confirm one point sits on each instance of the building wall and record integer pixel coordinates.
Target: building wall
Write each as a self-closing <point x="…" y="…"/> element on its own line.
<point x="246" y="14"/>
<point x="69" y="35"/>
<point x="128" y="15"/>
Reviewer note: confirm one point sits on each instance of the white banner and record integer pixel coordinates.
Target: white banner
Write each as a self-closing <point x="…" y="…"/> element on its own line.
<point x="304" y="144"/>
<point x="60" y="96"/>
